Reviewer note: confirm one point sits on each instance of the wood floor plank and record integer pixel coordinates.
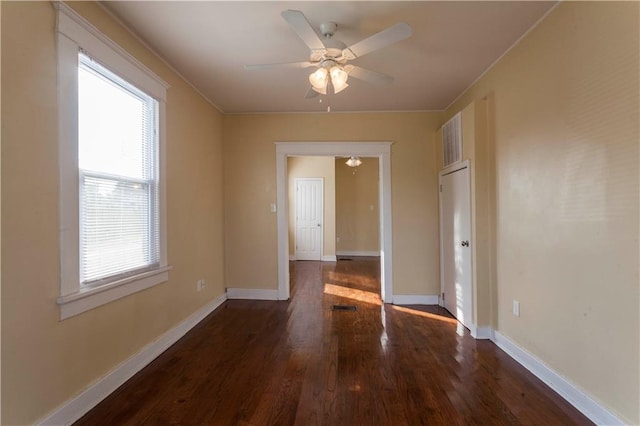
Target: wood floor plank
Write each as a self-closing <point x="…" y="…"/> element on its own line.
<point x="302" y="363"/>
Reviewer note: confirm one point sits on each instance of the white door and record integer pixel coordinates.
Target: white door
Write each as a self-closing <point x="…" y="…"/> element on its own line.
<point x="455" y="233"/>
<point x="308" y="208"/>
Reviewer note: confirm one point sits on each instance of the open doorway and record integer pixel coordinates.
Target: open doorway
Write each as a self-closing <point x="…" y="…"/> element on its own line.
<point x="357" y="208"/>
<point x="334" y="208"/>
<point x="312" y="210"/>
<point x="379" y="150"/>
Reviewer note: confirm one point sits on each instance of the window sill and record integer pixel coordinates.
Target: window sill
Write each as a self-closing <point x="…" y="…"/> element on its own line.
<point x="86" y="299"/>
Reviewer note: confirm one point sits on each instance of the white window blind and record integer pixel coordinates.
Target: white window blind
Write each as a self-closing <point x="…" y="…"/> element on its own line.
<point x="118" y="173"/>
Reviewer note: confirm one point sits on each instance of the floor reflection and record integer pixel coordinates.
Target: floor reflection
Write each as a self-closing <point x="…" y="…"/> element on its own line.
<point x="440" y="314"/>
<point x="298" y="362"/>
<point x="352" y="294"/>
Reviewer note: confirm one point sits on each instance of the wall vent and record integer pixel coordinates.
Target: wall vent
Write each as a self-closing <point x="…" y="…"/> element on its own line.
<point x="452" y="140"/>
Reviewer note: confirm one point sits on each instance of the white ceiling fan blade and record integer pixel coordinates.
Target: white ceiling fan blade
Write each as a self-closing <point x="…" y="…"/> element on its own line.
<point x="369" y="76"/>
<point x="303" y="64"/>
<point x="311" y="93"/>
<point x="301" y="26"/>
<point x="379" y="40"/>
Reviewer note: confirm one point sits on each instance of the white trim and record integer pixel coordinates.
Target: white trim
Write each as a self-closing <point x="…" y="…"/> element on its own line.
<point x="325" y="258"/>
<point x="381" y="150"/>
<point x="86" y="299"/>
<point x="360" y="149"/>
<point x="358" y="253"/>
<point x="162" y="181"/>
<point x="464" y="164"/>
<point x="69" y="202"/>
<point x="74" y="33"/>
<point x="252" y="294"/>
<point x="100" y="47"/>
<point x="567" y="390"/>
<point x="386" y="235"/>
<point x="79" y="405"/>
<point x="282" y="225"/>
<point x="415" y="299"/>
<point x="481" y="333"/>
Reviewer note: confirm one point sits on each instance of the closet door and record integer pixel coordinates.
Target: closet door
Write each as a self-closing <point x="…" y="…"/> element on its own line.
<point x="455" y="233"/>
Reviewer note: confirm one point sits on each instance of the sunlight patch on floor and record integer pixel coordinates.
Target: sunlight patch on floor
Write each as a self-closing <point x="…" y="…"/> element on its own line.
<point x="340" y="277"/>
<point x="350" y="293"/>
<point x="424" y="314"/>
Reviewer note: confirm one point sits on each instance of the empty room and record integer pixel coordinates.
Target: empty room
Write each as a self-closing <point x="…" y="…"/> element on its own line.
<point x="331" y="213"/>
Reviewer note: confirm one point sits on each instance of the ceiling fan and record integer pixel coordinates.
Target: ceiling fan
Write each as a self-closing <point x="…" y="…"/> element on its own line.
<point x="331" y="56"/>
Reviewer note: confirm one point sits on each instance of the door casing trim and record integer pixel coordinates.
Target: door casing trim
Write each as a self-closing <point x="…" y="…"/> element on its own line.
<point x="380" y="150"/>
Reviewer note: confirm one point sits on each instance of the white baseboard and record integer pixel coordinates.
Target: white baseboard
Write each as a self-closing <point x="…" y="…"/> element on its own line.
<point x="414" y="299"/>
<point x="252" y="294"/>
<point x="78" y="406"/>
<point x="328" y="258"/>
<point x="357" y="253"/>
<point x="481" y="333"/>
<point x="570" y="392"/>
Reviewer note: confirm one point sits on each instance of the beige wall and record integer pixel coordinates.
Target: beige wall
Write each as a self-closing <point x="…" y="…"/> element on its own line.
<point x="357" y="206"/>
<point x="250" y="187"/>
<point x="46" y="361"/>
<point x="316" y="167"/>
<point x="563" y="105"/>
<point x="561" y="116"/>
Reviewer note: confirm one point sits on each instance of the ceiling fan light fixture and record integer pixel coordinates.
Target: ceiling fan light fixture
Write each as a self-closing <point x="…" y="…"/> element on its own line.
<point x="338" y="79"/>
<point x="319" y="79"/>
<point x="337" y="88"/>
<point x="353" y="162"/>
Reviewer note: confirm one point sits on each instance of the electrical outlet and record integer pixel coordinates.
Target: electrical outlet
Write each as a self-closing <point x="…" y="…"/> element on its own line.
<point x="200" y="285"/>
<point x="516" y="308"/>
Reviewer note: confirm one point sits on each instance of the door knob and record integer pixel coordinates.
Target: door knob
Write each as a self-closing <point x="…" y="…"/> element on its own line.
<point x="319" y="225"/>
<point x="465" y="244"/>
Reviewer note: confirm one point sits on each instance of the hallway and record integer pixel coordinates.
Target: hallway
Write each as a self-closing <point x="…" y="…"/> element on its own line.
<point x="300" y="362"/>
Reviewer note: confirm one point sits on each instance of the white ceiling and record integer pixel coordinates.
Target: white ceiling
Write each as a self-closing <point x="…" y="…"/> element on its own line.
<point x="209" y="42"/>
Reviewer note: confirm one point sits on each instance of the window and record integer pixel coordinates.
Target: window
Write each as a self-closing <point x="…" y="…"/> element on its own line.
<point x="111" y="112"/>
<point x="118" y="176"/>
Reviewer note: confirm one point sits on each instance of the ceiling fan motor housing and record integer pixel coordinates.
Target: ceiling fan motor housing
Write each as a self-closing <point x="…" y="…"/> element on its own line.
<point x="328" y="28"/>
<point x="333" y="47"/>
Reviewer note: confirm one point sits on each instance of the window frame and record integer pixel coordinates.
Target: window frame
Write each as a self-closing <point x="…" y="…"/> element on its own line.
<point x="75" y="34"/>
<point x="150" y="180"/>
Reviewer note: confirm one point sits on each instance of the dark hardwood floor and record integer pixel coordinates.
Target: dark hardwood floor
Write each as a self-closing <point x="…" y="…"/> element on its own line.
<point x="302" y="363"/>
